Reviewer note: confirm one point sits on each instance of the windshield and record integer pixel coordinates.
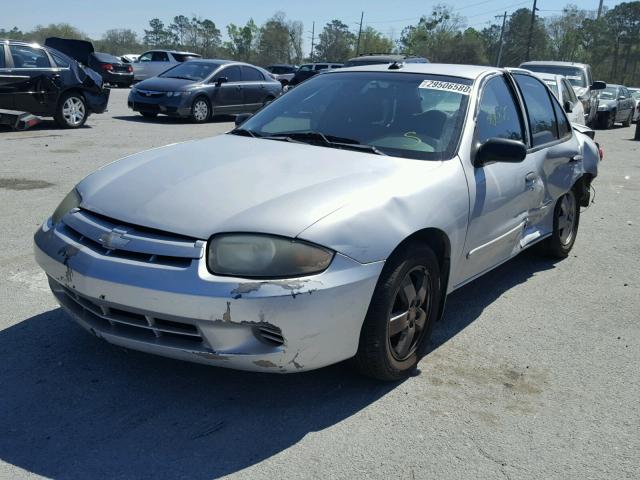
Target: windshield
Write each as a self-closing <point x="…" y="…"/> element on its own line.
<point x="609" y="93"/>
<point x="575" y="75"/>
<point x="193" y="70"/>
<point x="400" y="114"/>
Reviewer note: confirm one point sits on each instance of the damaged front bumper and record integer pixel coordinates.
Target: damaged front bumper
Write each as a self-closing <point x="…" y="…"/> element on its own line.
<point x="180" y="310"/>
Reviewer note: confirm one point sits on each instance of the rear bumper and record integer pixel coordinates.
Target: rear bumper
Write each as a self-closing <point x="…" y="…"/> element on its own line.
<point x="189" y="314"/>
<point x="97" y="102"/>
<point x="120" y="78"/>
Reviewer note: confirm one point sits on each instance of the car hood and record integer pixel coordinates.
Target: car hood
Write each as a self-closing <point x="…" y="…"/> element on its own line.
<point x="163" y="84"/>
<point x="79" y="50"/>
<point x="231" y="184"/>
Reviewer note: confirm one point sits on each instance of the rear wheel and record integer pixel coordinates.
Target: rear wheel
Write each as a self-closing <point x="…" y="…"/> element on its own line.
<point x="401" y="314"/>
<point x="566" y="218"/>
<point x="71" y="111"/>
<point x="200" y="110"/>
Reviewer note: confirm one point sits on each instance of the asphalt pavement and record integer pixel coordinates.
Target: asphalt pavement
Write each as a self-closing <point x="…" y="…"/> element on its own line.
<point x="533" y="374"/>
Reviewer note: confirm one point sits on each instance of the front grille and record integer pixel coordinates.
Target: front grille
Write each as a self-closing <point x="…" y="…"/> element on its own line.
<point x="116" y="320"/>
<point x="114" y="239"/>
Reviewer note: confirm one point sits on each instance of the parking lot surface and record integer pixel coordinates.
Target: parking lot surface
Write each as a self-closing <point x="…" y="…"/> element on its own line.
<point x="533" y="374"/>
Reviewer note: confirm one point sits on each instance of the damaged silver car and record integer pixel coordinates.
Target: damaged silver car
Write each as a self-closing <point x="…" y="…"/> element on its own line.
<point x="331" y="225"/>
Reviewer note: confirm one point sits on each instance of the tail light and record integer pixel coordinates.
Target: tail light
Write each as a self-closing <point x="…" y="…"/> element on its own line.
<point x="108" y="67"/>
<point x="129" y="68"/>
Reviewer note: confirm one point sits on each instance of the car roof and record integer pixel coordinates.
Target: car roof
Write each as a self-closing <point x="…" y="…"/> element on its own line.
<point x="172" y="51"/>
<point x="391" y="57"/>
<point x="555" y="63"/>
<point x="464" y="71"/>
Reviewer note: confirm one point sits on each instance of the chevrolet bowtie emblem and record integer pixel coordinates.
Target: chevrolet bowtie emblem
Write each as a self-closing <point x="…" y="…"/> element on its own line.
<point x="114" y="239"/>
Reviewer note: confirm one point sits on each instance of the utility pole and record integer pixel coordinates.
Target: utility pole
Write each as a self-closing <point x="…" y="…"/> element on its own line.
<point x="600" y="9"/>
<point x="533" y="19"/>
<point x="313" y="39"/>
<point x="499" y="57"/>
<point x="359" y="35"/>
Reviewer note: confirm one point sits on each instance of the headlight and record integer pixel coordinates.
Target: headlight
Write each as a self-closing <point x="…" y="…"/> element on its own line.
<point x="265" y="256"/>
<point x="68" y="203"/>
<point x="178" y="94"/>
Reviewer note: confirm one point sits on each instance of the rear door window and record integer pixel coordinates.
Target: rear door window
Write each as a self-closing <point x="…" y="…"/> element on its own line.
<point x="29" y="57"/>
<point x="498" y="116"/>
<point x="564" y="127"/>
<point x="540" y="112"/>
<point x="571" y="94"/>
<point x="159" y="57"/>
<point x="60" y="60"/>
<point x="250" y="74"/>
<point x="2" y="62"/>
<point x="320" y="66"/>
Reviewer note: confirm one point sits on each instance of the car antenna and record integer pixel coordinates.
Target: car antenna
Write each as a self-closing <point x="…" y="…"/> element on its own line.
<point x="395" y="66"/>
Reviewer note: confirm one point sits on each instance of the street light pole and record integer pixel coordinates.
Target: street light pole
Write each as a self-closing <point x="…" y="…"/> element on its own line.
<point x="504" y="21"/>
<point x="533" y="19"/>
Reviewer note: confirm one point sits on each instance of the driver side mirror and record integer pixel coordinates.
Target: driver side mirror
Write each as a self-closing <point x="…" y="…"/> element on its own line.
<point x="598" y="85"/>
<point x="568" y="107"/>
<point x="500" y="150"/>
<point x="221" y="80"/>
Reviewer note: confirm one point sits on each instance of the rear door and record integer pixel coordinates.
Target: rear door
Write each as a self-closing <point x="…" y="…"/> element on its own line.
<point x="227" y="97"/>
<point x="253" y="89"/>
<point x="553" y="157"/>
<point x="35" y="85"/>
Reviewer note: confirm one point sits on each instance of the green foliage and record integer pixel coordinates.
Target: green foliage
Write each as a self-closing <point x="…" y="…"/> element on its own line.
<point x="335" y="43"/>
<point x="610" y="44"/>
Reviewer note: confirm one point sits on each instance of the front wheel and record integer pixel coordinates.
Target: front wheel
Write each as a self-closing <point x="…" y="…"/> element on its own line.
<point x="627" y="122"/>
<point x="401" y="315"/>
<point x="566" y="218"/>
<point x="200" y="110"/>
<point x="71" y="111"/>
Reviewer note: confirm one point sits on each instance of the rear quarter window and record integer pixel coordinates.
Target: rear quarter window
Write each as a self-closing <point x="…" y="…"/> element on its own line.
<point x="2" y="62"/>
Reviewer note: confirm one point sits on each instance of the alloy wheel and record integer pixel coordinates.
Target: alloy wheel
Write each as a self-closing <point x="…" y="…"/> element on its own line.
<point x="73" y="111"/>
<point x="200" y="110"/>
<point x="408" y="316"/>
<point x="567" y="218"/>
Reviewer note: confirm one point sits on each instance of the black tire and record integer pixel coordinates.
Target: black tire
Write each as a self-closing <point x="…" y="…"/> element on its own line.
<point x="72" y="111"/>
<point x="627" y="123"/>
<point x="559" y="244"/>
<point x="611" y="120"/>
<point x="201" y="111"/>
<point x="149" y="114"/>
<point x="381" y="354"/>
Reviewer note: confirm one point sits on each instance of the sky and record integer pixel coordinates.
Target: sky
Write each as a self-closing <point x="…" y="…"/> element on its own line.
<point x="93" y="17"/>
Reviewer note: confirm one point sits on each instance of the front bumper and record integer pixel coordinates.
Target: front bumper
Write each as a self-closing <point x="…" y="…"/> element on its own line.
<point x="155" y="103"/>
<point x="184" y="312"/>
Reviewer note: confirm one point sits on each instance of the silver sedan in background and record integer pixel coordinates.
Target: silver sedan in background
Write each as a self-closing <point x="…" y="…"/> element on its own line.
<point x="331" y="225"/>
<point x="154" y="62"/>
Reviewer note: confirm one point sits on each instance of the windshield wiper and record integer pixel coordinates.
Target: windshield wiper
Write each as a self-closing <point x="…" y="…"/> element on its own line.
<point x="244" y="132"/>
<point x="328" y="140"/>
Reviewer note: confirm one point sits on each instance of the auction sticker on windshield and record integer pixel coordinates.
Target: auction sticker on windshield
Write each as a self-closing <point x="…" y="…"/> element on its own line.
<point x="446" y="86"/>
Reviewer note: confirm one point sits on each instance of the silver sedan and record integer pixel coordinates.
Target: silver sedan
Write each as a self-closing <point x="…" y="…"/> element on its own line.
<point x="331" y="225"/>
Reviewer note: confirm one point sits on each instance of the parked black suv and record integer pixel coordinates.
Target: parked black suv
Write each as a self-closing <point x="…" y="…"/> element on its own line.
<point x="48" y="83"/>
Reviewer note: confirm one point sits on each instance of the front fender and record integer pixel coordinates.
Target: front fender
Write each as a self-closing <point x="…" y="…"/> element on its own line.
<point x="370" y="227"/>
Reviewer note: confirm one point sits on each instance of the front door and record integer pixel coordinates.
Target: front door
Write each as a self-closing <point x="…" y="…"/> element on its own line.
<point x="501" y="194"/>
<point x="227" y="96"/>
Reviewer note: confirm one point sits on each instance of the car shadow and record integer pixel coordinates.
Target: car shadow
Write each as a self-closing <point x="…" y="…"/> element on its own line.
<point x="160" y="119"/>
<point x="44" y="125"/>
<point x="75" y="407"/>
